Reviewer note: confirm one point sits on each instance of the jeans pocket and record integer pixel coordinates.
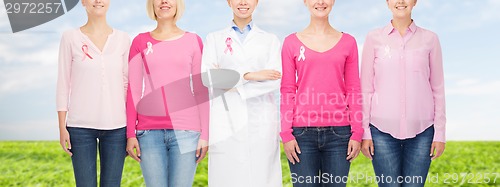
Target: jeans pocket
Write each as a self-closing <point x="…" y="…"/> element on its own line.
<point x="341" y="132"/>
<point x="190" y="131"/>
<point x="297" y="132"/>
<point x="141" y="133"/>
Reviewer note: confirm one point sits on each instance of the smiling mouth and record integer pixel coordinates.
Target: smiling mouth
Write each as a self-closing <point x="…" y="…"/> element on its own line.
<point x="401" y="7"/>
<point x="98" y="6"/>
<point x="320" y="8"/>
<point x="164" y="8"/>
<point x="243" y="9"/>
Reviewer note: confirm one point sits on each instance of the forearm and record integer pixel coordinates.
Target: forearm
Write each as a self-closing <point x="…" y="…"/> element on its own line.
<point x="62" y="119"/>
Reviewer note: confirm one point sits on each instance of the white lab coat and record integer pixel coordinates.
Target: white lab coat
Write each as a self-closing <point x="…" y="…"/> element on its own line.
<point x="244" y="141"/>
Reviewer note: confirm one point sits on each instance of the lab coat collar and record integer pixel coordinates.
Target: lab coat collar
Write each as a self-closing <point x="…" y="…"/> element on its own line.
<point x="232" y="33"/>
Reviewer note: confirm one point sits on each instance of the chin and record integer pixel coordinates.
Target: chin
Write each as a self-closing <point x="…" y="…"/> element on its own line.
<point x="244" y="16"/>
<point x="320" y="15"/>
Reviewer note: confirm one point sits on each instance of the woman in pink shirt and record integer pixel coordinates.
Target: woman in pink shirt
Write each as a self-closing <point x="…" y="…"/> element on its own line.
<point x="91" y="85"/>
<point x="167" y="104"/>
<point x="320" y="102"/>
<point x="404" y="105"/>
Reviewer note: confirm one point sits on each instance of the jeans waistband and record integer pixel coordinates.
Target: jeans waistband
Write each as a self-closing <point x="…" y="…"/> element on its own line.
<point x="324" y="128"/>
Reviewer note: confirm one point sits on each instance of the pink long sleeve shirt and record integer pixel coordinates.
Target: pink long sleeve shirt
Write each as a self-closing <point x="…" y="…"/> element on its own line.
<point x="320" y="89"/>
<point x="403" y="83"/>
<point x="91" y="83"/>
<point x="165" y="87"/>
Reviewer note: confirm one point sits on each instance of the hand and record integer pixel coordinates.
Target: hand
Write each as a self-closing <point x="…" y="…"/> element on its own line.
<point x="65" y="142"/>
<point x="263" y="75"/>
<point x="437" y="149"/>
<point x="291" y="150"/>
<point x="201" y="150"/>
<point x="367" y="148"/>
<point x="353" y="150"/>
<point x="132" y="144"/>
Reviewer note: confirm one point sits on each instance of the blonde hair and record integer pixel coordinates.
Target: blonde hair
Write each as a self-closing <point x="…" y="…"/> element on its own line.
<point x="151" y="11"/>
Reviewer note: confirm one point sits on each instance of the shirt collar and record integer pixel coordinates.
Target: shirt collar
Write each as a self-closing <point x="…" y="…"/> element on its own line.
<point x="246" y="29"/>
<point x="389" y="29"/>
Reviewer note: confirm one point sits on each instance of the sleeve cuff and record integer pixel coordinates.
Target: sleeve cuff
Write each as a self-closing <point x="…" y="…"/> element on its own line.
<point x="242" y="79"/>
<point x="62" y="109"/>
<point x="439" y="136"/>
<point x="367" y="134"/>
<point x="287" y="136"/>
<point x="130" y="135"/>
<point x="356" y="136"/>
<point x="204" y="136"/>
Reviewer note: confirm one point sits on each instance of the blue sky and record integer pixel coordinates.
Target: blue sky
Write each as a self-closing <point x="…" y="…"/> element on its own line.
<point x="468" y="30"/>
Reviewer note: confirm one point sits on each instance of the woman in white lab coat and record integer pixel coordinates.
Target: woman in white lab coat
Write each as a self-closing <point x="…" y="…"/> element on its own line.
<point x="244" y="120"/>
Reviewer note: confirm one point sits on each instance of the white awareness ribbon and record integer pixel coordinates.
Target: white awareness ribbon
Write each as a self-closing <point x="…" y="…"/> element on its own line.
<point x="387" y="53"/>
<point x="302" y="53"/>
<point x="150" y="48"/>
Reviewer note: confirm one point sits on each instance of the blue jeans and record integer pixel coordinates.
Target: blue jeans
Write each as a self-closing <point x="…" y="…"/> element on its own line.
<point x="401" y="163"/>
<point x="323" y="156"/>
<point x="84" y="144"/>
<point x="168" y="157"/>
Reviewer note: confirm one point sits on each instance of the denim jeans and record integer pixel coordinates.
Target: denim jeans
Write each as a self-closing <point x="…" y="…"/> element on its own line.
<point x="168" y="157"/>
<point x="323" y="156"/>
<point x="84" y="145"/>
<point x="402" y="163"/>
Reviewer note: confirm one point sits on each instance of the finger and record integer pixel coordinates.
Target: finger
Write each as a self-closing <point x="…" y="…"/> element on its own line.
<point x="437" y="155"/>
<point x="198" y="153"/>
<point x="138" y="150"/>
<point x="354" y="157"/>
<point x="351" y="155"/>
<point x="432" y="150"/>
<point x="204" y="151"/>
<point x="134" y="156"/>
<point x="202" y="155"/>
<point x="372" y="149"/>
<point x="297" y="148"/>
<point x="289" y="157"/>
<point x="69" y="143"/>
<point x="67" y="147"/>
<point x="68" y="151"/>
<point x="366" y="152"/>
<point x="295" y="156"/>
<point x="349" y="149"/>
<point x="350" y="152"/>
<point x="198" y="150"/>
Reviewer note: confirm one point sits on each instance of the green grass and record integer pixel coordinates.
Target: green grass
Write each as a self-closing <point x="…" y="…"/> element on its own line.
<point x="45" y="164"/>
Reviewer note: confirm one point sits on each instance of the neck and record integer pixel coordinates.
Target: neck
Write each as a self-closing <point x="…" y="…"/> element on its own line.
<point x="401" y="24"/>
<point x="166" y="26"/>
<point x="319" y="26"/>
<point x="242" y="22"/>
<point x="96" y="24"/>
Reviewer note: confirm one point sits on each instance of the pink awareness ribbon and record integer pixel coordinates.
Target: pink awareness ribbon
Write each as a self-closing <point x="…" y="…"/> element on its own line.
<point x="229" y="42"/>
<point x="85" y="50"/>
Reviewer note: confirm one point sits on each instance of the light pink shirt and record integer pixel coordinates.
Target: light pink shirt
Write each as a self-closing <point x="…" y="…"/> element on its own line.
<point x="403" y="83"/>
<point x="91" y="84"/>
<point x="320" y="89"/>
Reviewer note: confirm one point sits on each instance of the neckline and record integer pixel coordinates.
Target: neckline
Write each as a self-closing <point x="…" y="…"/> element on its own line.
<point x="328" y="50"/>
<point x="92" y="44"/>
<point x="170" y="40"/>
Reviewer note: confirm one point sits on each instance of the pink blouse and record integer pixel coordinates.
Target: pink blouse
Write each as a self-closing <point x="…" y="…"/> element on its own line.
<point x="403" y="83"/>
<point x="91" y="83"/>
